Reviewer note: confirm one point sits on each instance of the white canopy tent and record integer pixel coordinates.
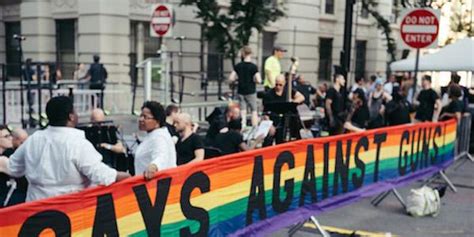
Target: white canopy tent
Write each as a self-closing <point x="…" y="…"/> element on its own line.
<point x="458" y="56"/>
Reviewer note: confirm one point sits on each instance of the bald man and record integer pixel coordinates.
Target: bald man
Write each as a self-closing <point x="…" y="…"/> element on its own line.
<point x="190" y="147"/>
<point x="19" y="136"/>
<point x="13" y="191"/>
<point x="97" y="116"/>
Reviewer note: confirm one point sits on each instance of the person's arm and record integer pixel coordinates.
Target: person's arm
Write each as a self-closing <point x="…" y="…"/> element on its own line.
<point x="329" y="112"/>
<point x="16" y="163"/>
<point x="257" y="78"/>
<point x="116" y="148"/>
<point x="349" y="126"/>
<point x="387" y="97"/>
<point x="298" y="98"/>
<point x="456" y="115"/>
<point x="437" y="110"/>
<point x="198" y="149"/>
<point x="158" y="160"/>
<point x="198" y="155"/>
<point x="4" y="165"/>
<point x="232" y="76"/>
<point x="105" y="73"/>
<point x="89" y="163"/>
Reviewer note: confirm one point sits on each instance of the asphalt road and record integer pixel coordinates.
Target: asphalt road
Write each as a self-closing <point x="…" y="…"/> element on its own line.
<point x="456" y="217"/>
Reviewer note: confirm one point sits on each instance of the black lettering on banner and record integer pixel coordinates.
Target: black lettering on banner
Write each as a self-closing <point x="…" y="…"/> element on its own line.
<point x="105" y="220"/>
<point x="257" y="192"/>
<point x="279" y="206"/>
<point x="358" y="181"/>
<point x="378" y="140"/>
<point x="153" y="214"/>
<point x="342" y="168"/>
<point x="308" y="185"/>
<point x="417" y="153"/>
<point x="326" y="171"/>
<point x="57" y="221"/>
<point x="403" y="159"/>
<point x="437" y="133"/>
<point x="412" y="156"/>
<point x="426" y="147"/>
<point x="201" y="181"/>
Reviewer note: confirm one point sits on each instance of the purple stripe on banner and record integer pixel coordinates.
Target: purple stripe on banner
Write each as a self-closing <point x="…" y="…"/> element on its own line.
<point x="275" y="223"/>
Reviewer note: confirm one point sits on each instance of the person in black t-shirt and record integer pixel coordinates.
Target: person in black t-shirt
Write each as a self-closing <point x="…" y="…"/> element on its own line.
<point x="97" y="74"/>
<point x="232" y="141"/>
<point x="398" y="109"/>
<point x="304" y="88"/>
<point x="455" y="107"/>
<point x="429" y="102"/>
<point x="247" y="75"/>
<point x="218" y="121"/>
<point x="190" y="147"/>
<point x="359" y="116"/>
<point x="334" y="105"/>
<point x="171" y="116"/>
<point x="279" y="93"/>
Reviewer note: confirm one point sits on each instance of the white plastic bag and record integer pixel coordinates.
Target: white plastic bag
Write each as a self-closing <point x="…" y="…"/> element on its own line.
<point x="423" y="201"/>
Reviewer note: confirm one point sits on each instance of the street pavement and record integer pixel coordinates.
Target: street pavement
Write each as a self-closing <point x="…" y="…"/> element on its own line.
<point x="456" y="217"/>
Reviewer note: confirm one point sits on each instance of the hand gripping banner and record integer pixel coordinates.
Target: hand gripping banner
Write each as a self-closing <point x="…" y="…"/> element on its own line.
<point x="249" y="193"/>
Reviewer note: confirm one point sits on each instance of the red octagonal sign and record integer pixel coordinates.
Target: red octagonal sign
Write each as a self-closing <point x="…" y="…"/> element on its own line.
<point x="161" y="20"/>
<point x="419" y="28"/>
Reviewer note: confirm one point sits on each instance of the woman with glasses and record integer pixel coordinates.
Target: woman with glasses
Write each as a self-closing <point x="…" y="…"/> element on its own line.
<point x="157" y="150"/>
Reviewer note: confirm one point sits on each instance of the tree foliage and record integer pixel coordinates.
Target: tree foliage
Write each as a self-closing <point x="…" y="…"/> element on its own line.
<point x="231" y="27"/>
<point x="384" y="25"/>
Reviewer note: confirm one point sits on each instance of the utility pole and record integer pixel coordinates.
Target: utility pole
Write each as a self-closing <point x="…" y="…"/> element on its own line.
<point x="346" y="49"/>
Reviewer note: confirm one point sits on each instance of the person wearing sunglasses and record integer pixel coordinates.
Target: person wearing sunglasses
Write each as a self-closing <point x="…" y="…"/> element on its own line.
<point x="157" y="151"/>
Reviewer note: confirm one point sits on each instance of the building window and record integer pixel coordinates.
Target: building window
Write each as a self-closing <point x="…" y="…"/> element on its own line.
<point x="325" y="59"/>
<point x="329" y="7"/>
<point x="361" y="51"/>
<point x="215" y="62"/>
<point x="11" y="48"/>
<point x="66" y="46"/>
<point x="364" y="13"/>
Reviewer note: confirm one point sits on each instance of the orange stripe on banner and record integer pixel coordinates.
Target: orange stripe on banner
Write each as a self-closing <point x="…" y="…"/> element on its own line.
<point x="82" y="211"/>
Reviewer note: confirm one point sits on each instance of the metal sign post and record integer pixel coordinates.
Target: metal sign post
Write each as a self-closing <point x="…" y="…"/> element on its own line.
<point x="419" y="28"/>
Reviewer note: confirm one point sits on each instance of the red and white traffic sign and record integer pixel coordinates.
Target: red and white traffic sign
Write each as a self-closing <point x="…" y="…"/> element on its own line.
<point x="161" y="20"/>
<point x="419" y="28"/>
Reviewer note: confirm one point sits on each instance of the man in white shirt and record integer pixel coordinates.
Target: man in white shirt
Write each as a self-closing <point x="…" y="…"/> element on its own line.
<point x="59" y="159"/>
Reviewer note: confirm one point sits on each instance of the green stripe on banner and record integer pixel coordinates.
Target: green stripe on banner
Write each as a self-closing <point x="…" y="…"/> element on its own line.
<point x="238" y="207"/>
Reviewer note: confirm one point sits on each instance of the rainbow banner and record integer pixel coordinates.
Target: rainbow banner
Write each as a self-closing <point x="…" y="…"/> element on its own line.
<point x="249" y="193"/>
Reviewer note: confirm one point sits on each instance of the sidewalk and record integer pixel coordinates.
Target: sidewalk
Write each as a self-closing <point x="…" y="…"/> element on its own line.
<point x="455" y="219"/>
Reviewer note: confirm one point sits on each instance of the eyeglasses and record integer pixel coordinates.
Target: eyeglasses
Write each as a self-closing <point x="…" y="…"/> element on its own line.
<point x="6" y="135"/>
<point x="145" y="117"/>
<point x="278" y="84"/>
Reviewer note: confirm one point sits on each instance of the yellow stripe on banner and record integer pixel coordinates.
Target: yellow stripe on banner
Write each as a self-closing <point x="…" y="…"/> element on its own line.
<point x="132" y="223"/>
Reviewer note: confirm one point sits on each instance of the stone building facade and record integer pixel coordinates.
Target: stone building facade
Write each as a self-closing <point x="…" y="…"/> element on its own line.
<point x="71" y="31"/>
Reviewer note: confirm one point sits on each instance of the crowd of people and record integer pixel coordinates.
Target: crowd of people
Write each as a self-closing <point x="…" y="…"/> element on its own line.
<point x="60" y="159"/>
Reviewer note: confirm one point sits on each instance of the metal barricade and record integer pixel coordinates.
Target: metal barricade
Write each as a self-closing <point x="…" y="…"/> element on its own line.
<point x="463" y="138"/>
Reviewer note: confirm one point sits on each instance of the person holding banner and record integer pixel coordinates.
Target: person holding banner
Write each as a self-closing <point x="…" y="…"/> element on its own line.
<point x="59" y="159"/>
<point x="359" y="115"/>
<point x="455" y="107"/>
<point x="157" y="150"/>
